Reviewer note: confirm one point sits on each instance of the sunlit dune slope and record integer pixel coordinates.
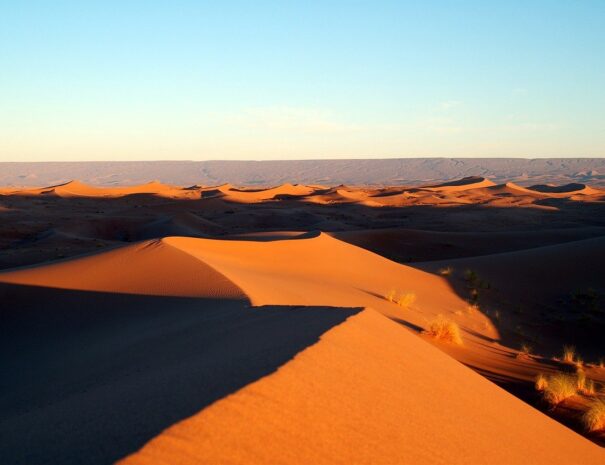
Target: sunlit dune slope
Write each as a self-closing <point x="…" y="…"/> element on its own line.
<point x="148" y="268"/>
<point x="369" y="393"/>
<point x="79" y="189"/>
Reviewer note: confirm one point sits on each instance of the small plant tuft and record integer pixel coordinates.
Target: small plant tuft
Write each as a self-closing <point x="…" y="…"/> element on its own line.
<point x="541" y="382"/>
<point x="446" y="271"/>
<point x="403" y="299"/>
<point x="406" y="299"/>
<point x="594" y="417"/>
<point x="447" y="330"/>
<point x="560" y="386"/>
<point x="589" y="388"/>
<point x="580" y="380"/>
<point x="569" y="354"/>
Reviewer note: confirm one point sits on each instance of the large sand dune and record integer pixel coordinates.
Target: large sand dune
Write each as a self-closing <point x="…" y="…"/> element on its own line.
<point x="305" y="378"/>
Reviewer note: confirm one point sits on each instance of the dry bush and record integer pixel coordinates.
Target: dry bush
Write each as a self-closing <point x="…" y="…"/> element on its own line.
<point x="594" y="417"/>
<point x="541" y="382"/>
<point x="560" y="386"/>
<point x="390" y="296"/>
<point x="580" y="380"/>
<point x="406" y="299"/>
<point x="569" y="354"/>
<point x="589" y="388"/>
<point x="447" y="271"/>
<point x="444" y="329"/>
<point x="403" y="299"/>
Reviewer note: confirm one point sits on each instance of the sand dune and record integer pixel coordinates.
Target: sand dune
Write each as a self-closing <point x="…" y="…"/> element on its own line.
<point x="283" y="191"/>
<point x="79" y="189"/>
<point x="149" y="268"/>
<point x="368" y="392"/>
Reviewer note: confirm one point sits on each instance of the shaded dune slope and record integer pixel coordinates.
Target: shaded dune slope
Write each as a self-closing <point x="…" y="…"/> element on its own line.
<point x="471" y="182"/>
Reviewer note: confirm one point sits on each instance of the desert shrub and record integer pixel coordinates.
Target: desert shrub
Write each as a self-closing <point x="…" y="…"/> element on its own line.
<point x="560" y="386"/>
<point x="447" y="271"/>
<point x="569" y="354"/>
<point x="406" y="299"/>
<point x="594" y="417"/>
<point x="447" y="330"/>
<point x="580" y="380"/>
<point x="390" y="296"/>
<point x="403" y="299"/>
<point x="541" y="382"/>
<point x="589" y="388"/>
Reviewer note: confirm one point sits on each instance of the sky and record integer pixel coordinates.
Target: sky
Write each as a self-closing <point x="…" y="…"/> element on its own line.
<point x="198" y="80"/>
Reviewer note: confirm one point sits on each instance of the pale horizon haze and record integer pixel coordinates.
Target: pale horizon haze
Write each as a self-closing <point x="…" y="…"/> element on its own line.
<point x="189" y="80"/>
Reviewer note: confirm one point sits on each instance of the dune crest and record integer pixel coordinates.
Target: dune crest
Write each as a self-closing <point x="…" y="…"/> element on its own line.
<point x="148" y="268"/>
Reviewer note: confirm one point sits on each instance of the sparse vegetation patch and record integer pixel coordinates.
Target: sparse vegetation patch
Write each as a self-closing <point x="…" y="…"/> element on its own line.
<point x="569" y="354"/>
<point x="541" y="382"/>
<point x="401" y="298"/>
<point x="444" y="329"/>
<point x="446" y="271"/>
<point x="594" y="417"/>
<point x="560" y="386"/>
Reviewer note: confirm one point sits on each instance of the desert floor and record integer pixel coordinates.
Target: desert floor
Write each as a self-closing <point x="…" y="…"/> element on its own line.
<point x="158" y="324"/>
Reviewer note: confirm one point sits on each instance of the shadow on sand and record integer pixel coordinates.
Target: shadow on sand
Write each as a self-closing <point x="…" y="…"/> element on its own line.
<point x="90" y="377"/>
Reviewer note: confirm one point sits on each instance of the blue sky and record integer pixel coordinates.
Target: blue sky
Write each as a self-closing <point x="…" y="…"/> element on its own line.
<point x="135" y="80"/>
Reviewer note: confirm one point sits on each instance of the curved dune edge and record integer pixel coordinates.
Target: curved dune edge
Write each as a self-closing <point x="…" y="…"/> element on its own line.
<point x="148" y="268"/>
<point x="319" y="270"/>
<point x="369" y="393"/>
